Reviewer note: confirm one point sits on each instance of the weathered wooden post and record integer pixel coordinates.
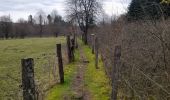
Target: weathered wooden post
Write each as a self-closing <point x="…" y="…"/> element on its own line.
<point x="72" y="49"/>
<point x="115" y="72"/>
<point x="28" y="83"/>
<point x="93" y="41"/>
<point x="83" y="37"/>
<point x="69" y="49"/>
<point x="60" y="63"/>
<point x="96" y="53"/>
<point x="75" y="40"/>
<point x="73" y="44"/>
<point x="77" y="45"/>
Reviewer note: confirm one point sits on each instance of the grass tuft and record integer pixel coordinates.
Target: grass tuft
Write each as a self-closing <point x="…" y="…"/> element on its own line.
<point x="60" y="90"/>
<point x="96" y="80"/>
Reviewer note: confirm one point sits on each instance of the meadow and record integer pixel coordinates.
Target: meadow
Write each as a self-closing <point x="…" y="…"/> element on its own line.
<point x="42" y="50"/>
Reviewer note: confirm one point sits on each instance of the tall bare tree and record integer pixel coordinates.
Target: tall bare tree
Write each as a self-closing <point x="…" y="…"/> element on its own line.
<point x="49" y="19"/>
<point x="40" y="18"/>
<point x="30" y="20"/>
<point x="41" y="24"/>
<point x="53" y="14"/>
<point x="84" y="12"/>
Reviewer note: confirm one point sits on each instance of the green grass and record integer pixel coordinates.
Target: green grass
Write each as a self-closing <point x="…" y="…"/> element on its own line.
<point x="95" y="79"/>
<point x="43" y="51"/>
<point x="11" y="53"/>
<point x="60" y="90"/>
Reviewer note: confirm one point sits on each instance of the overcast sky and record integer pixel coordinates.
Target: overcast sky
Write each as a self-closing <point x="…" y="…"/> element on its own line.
<point x="22" y="8"/>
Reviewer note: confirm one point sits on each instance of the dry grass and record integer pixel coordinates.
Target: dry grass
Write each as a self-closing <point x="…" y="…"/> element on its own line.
<point x="145" y="57"/>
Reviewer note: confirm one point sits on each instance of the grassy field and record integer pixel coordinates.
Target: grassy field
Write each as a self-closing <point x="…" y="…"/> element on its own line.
<point x="43" y="50"/>
<point x="11" y="53"/>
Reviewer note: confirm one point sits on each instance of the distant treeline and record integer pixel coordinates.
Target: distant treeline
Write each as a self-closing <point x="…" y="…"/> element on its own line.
<point x="38" y="26"/>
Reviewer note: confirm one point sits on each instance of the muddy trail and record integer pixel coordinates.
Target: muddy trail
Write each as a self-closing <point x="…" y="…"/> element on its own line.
<point x="82" y="80"/>
<point x="78" y="89"/>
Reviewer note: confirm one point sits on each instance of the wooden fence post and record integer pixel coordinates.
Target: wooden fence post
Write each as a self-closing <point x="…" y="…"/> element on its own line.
<point x="69" y="49"/>
<point x="72" y="49"/>
<point x="60" y="63"/>
<point x="28" y="83"/>
<point x="96" y="52"/>
<point x="75" y="39"/>
<point x="115" y="72"/>
<point x="93" y="41"/>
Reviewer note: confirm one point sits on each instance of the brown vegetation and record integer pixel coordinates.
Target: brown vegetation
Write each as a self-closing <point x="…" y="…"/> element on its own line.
<point x="145" y="56"/>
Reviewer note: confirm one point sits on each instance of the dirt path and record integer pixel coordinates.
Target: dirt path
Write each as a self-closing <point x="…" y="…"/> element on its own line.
<point x="78" y="90"/>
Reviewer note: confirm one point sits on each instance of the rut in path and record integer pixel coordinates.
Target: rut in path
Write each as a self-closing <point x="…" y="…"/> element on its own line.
<point x="78" y="90"/>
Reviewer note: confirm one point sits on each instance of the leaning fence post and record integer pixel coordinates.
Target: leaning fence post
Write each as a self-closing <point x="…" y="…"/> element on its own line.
<point x="96" y="52"/>
<point x="60" y="63"/>
<point x="28" y="83"/>
<point x="69" y="49"/>
<point x="115" y="72"/>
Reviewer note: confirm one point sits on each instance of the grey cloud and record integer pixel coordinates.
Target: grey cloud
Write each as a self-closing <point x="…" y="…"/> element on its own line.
<point x="21" y="7"/>
<point x="7" y="5"/>
<point x="118" y="1"/>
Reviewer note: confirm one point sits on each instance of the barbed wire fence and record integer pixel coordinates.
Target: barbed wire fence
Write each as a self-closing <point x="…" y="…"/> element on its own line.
<point x="46" y="76"/>
<point x="144" y="72"/>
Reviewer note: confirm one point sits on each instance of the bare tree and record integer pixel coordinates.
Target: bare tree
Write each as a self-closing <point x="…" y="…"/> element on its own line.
<point x="58" y="25"/>
<point x="31" y="20"/>
<point x="84" y="12"/>
<point x="56" y="18"/>
<point x="49" y="19"/>
<point x="6" y="26"/>
<point x="53" y="14"/>
<point x="40" y="18"/>
<point x="20" y="28"/>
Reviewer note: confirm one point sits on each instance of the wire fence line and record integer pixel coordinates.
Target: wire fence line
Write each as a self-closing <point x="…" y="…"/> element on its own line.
<point x="150" y="79"/>
<point x="46" y="75"/>
<point x="142" y="69"/>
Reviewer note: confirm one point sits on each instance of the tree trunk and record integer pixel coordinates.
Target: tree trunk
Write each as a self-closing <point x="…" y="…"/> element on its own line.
<point x="41" y="30"/>
<point x="6" y="36"/>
